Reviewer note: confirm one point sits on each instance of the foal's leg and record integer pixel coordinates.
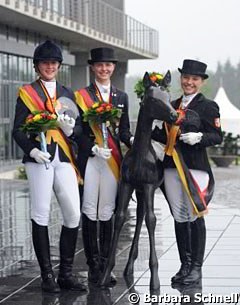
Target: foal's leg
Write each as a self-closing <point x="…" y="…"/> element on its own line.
<point x="134" y="248"/>
<point x="125" y="192"/>
<point x="150" y="220"/>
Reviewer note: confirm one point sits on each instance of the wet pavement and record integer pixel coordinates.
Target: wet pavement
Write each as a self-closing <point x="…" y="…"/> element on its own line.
<point x="19" y="272"/>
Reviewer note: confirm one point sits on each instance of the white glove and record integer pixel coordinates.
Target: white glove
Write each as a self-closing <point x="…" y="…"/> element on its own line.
<point x="40" y="156"/>
<point x="191" y="138"/>
<point x="101" y="152"/>
<point x="66" y="124"/>
<point x="131" y="140"/>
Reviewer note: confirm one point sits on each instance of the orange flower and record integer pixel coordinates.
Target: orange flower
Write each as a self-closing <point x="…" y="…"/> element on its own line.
<point x="100" y="109"/>
<point x="153" y="78"/>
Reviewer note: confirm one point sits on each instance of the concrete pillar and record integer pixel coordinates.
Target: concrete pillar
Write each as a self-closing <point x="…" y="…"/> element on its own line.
<point x="118" y="77"/>
<point x="80" y="72"/>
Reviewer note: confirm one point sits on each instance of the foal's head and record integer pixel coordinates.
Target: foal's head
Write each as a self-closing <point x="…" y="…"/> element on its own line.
<point x="156" y="100"/>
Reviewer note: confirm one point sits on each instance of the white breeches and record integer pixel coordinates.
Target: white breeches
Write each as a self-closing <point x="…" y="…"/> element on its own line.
<point x="60" y="177"/>
<point x="100" y="190"/>
<point x="181" y="206"/>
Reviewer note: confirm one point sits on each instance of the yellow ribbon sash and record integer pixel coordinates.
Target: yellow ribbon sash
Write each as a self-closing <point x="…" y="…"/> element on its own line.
<point x="194" y="195"/>
<point x="33" y="101"/>
<point x="84" y="101"/>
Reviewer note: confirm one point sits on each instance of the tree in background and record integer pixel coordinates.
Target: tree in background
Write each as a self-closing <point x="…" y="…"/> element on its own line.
<point x="226" y="76"/>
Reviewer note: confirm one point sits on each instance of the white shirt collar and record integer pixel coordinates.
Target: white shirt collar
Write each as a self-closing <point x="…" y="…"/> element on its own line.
<point x="103" y="88"/>
<point x="186" y="99"/>
<point x="50" y="86"/>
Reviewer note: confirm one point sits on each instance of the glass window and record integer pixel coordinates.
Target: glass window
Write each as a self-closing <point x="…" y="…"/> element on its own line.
<point x="55" y="6"/>
<point x="14" y="72"/>
<point x="2" y="143"/>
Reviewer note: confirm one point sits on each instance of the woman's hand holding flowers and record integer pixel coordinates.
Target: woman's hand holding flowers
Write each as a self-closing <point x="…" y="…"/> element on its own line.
<point x="101" y="152"/>
<point x="40" y="156"/>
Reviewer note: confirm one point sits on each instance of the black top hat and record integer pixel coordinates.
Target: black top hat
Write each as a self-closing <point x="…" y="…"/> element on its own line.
<point x="194" y="67"/>
<point x="102" y="55"/>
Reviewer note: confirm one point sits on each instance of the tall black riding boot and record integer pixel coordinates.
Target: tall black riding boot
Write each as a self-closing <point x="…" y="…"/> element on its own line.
<point x="89" y="234"/>
<point x="66" y="279"/>
<point x="105" y="240"/>
<point x="198" y="243"/>
<point x="183" y="237"/>
<point x="42" y="249"/>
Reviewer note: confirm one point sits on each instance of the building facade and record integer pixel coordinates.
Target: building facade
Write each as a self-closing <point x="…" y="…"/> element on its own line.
<point x="78" y="26"/>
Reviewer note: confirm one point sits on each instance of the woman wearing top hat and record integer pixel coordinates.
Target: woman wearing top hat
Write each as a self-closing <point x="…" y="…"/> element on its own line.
<point x="99" y="165"/>
<point x="60" y="174"/>
<point x="187" y="170"/>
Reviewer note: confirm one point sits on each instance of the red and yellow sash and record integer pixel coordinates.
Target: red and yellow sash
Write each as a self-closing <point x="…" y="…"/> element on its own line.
<point x="33" y="101"/>
<point x="196" y="197"/>
<point x="84" y="101"/>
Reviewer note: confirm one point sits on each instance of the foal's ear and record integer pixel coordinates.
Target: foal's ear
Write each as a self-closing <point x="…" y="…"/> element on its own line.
<point x="167" y="79"/>
<point x="147" y="82"/>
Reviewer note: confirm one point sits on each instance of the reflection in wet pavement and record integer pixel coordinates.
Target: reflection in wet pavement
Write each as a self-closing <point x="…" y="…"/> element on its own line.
<point x="19" y="271"/>
<point x="15" y="227"/>
<point x="17" y="258"/>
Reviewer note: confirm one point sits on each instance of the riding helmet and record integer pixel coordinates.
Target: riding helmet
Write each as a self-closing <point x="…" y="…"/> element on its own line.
<point x="47" y="50"/>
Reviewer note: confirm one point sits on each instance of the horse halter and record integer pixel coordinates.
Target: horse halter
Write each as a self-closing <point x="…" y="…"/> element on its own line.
<point x="156" y="93"/>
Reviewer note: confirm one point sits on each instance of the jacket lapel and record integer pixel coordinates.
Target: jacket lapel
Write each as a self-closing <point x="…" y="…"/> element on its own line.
<point x="59" y="90"/>
<point x="39" y="90"/>
<point x="176" y="103"/>
<point x="37" y="87"/>
<point x="197" y="99"/>
<point x="114" y="96"/>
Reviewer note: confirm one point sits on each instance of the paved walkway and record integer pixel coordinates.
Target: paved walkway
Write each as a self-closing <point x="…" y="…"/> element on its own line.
<point x="19" y="273"/>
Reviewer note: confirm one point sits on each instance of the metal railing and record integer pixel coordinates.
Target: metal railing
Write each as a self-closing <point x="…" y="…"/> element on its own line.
<point x="106" y="19"/>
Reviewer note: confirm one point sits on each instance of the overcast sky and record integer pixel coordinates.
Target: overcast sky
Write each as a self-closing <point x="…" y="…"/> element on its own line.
<point x="207" y="30"/>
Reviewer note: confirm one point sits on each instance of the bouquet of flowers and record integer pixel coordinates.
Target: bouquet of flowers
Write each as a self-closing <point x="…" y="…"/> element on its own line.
<point x="139" y="88"/>
<point x="39" y="122"/>
<point x="103" y="114"/>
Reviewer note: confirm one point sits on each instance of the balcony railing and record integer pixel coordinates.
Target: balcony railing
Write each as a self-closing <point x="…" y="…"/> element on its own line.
<point x="102" y="17"/>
